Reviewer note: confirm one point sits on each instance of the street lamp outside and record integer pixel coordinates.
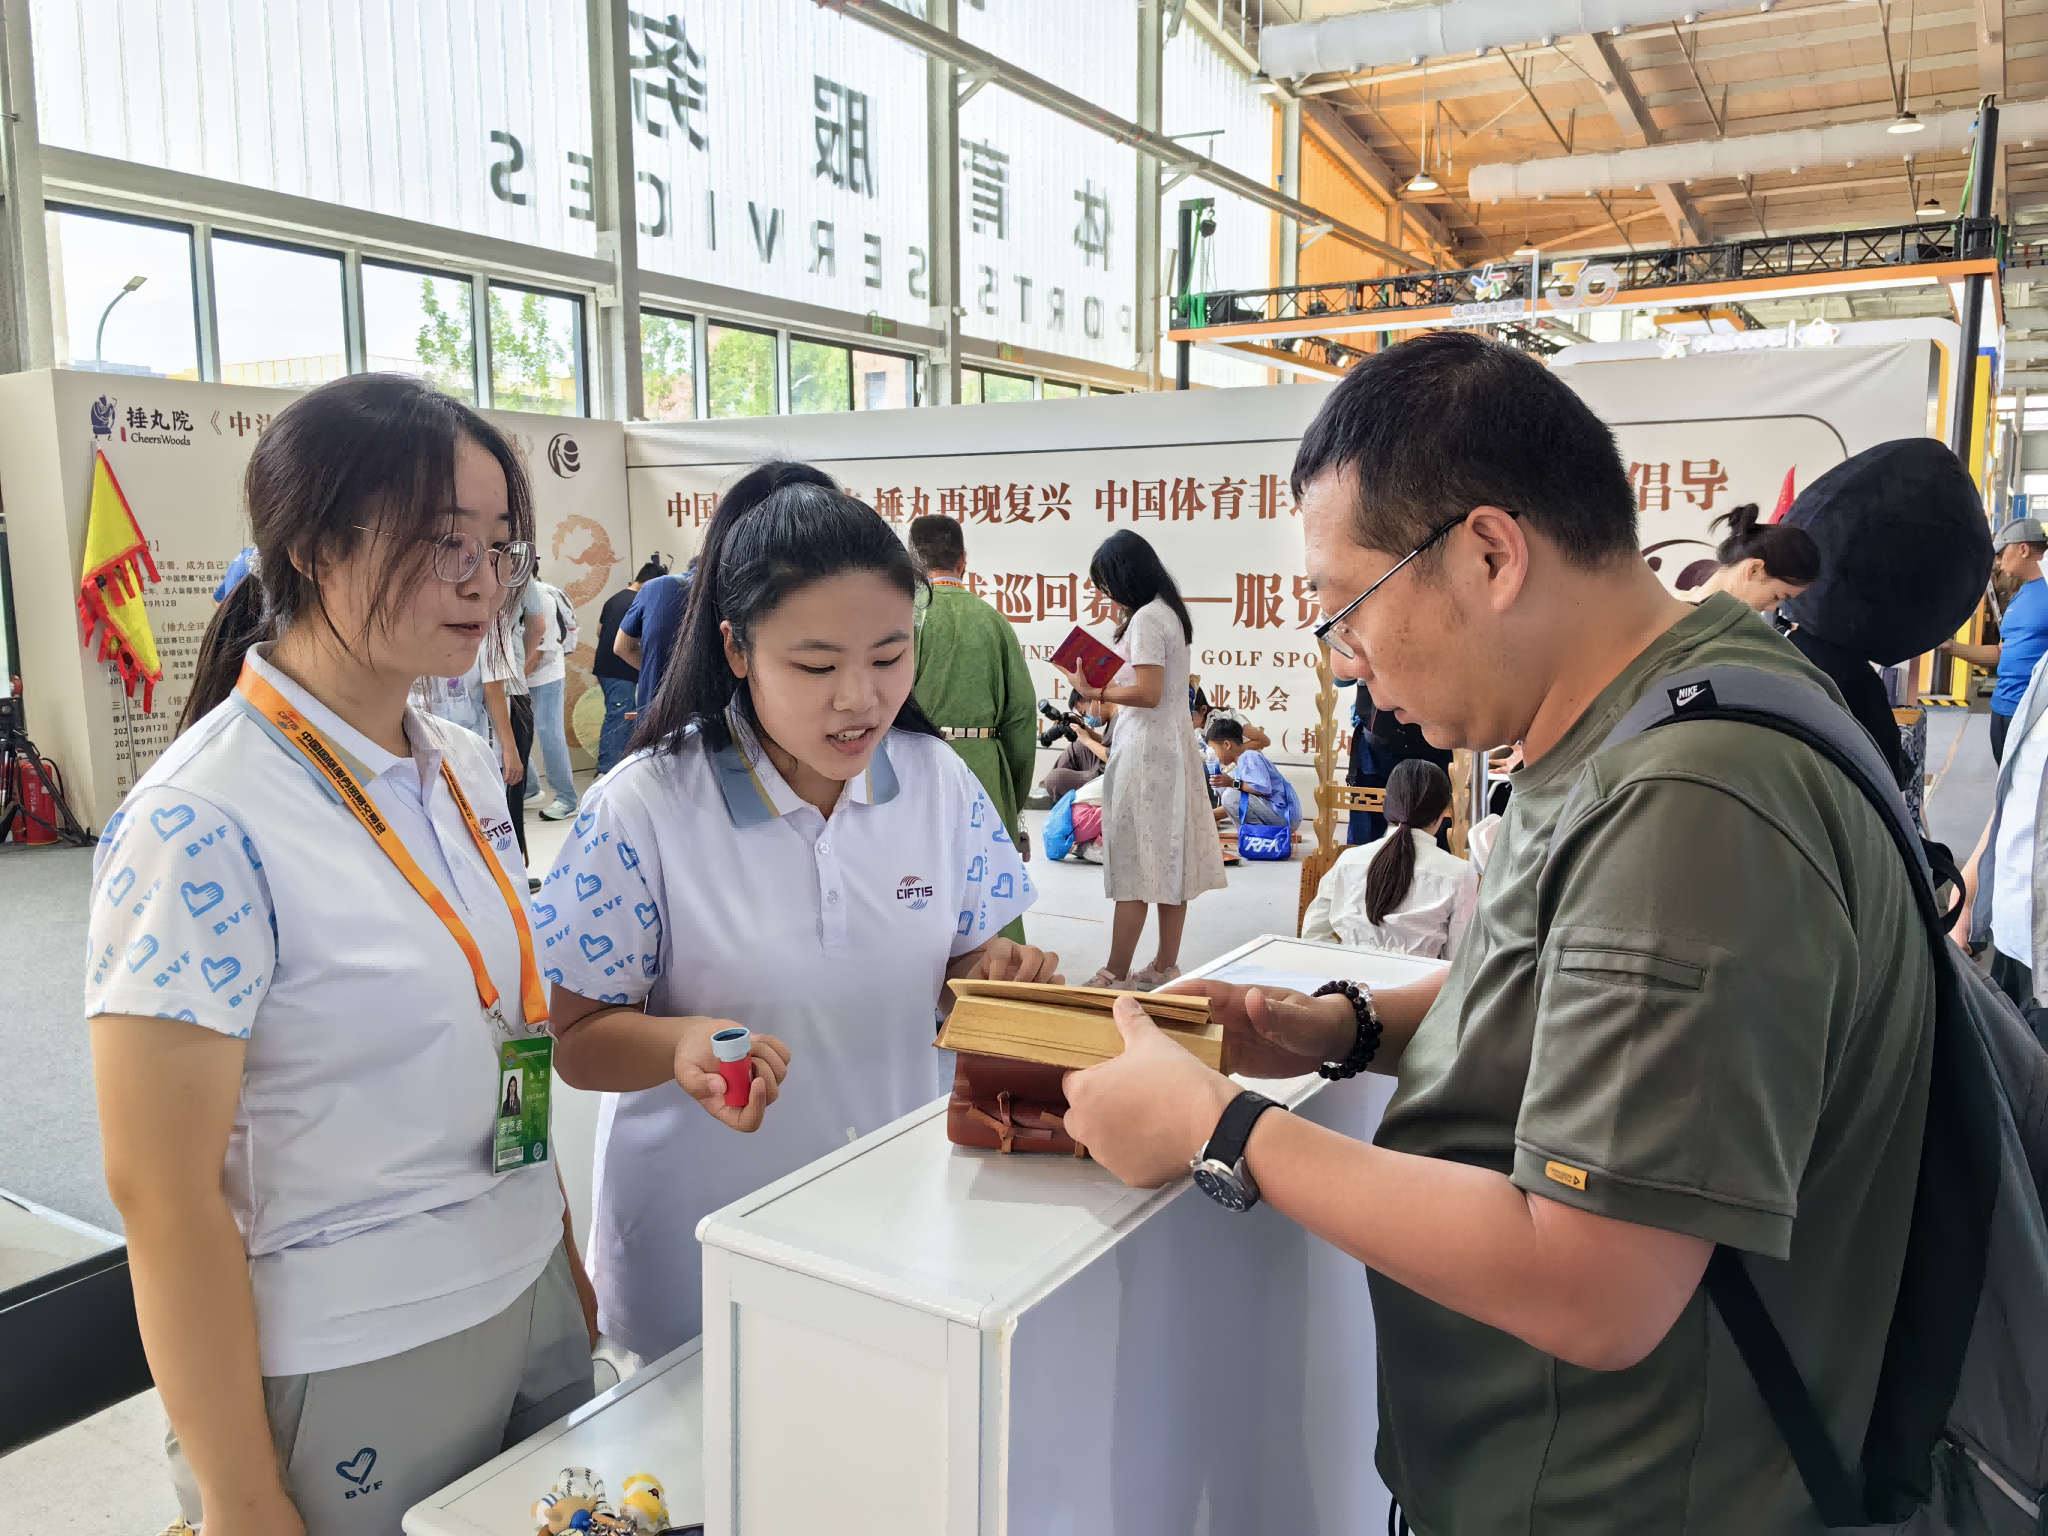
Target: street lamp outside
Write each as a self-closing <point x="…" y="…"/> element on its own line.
<point x="98" y="336"/>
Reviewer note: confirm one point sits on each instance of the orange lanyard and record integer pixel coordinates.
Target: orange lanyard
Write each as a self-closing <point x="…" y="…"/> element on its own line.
<point x="272" y="708"/>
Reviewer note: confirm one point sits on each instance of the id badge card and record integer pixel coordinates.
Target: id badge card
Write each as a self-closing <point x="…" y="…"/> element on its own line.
<point x="524" y="1074"/>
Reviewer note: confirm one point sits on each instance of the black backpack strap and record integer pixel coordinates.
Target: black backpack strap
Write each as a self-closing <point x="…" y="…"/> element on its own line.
<point x="1784" y="1393"/>
<point x="1792" y="707"/>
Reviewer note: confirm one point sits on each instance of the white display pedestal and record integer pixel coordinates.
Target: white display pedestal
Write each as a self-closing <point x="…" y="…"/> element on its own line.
<point x="910" y="1337"/>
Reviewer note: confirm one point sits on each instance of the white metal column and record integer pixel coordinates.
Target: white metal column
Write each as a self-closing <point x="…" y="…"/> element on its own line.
<point x="1290" y="183"/>
<point x="207" y="317"/>
<point x="1151" y="63"/>
<point x="619" y="393"/>
<point x="27" y="338"/>
<point x="942" y="156"/>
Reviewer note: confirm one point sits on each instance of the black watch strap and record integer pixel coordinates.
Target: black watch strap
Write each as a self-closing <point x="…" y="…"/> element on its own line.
<point x="1226" y="1142"/>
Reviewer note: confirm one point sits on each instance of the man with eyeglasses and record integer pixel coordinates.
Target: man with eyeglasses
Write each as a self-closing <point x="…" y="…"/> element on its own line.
<point x="1699" y="1018"/>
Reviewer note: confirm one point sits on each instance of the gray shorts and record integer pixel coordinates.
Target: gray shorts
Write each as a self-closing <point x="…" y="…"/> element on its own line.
<point x="1253" y="810"/>
<point x="361" y="1445"/>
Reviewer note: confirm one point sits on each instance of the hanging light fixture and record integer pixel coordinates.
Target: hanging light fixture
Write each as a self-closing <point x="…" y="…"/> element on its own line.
<point x="1906" y="122"/>
<point x="1422" y="181"/>
<point x="1931" y="209"/>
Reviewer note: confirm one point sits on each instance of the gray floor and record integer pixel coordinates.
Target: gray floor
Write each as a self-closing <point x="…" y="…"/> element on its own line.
<point x="53" y="1152"/>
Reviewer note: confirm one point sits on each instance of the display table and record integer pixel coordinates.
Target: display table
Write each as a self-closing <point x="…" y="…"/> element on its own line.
<point x="909" y="1337"/>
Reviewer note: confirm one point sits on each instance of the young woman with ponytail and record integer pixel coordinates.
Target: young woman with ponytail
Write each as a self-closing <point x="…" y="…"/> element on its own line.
<point x="790" y="847"/>
<point x="1762" y="564"/>
<point x="311" y="960"/>
<point x="1399" y="893"/>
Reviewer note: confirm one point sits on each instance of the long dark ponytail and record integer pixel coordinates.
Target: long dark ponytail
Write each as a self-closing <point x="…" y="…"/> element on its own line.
<point x="1789" y="554"/>
<point x="1129" y="569"/>
<point x="374" y="448"/>
<point x="781" y="526"/>
<point x="1418" y="793"/>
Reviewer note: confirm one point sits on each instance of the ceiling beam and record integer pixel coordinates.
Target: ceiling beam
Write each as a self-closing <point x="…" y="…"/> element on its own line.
<point x="1625" y="106"/>
<point x="1363" y="162"/>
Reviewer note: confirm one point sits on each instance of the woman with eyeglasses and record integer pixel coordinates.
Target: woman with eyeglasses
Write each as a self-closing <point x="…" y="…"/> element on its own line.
<point x="1159" y="837"/>
<point x="312" y="969"/>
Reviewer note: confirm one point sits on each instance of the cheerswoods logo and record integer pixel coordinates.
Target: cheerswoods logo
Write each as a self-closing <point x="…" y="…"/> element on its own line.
<point x="912" y="889"/>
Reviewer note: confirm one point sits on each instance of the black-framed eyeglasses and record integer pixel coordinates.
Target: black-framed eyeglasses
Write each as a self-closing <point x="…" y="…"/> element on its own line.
<point x="457" y="556"/>
<point x="1327" y="630"/>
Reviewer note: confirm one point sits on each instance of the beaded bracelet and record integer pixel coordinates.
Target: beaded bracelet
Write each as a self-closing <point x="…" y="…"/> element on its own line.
<point x="1367" y="1042"/>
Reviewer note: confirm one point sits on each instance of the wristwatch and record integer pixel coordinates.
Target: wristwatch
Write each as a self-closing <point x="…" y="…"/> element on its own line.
<point x="1220" y="1172"/>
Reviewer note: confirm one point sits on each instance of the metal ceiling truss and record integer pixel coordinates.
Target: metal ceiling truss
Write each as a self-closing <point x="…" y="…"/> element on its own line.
<point x="1778" y="256"/>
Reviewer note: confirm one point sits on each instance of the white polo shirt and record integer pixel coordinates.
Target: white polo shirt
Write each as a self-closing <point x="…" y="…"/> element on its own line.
<point x="231" y="891"/>
<point x="698" y="883"/>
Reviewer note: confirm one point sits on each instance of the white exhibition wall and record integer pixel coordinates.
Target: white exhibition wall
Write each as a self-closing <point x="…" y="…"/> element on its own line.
<point x="1703" y="434"/>
<point x="1039" y="485"/>
<point x="181" y="469"/>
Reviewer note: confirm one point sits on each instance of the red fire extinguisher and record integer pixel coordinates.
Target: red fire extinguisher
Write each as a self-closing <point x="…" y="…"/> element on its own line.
<point x="38" y="805"/>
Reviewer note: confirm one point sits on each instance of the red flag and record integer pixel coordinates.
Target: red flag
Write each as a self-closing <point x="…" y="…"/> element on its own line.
<point x="1785" y="495"/>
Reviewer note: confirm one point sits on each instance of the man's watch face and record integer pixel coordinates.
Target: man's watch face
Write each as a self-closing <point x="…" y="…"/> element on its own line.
<point x="1222" y="1184"/>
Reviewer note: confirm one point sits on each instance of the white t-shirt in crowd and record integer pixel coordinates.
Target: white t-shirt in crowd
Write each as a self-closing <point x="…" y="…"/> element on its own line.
<point x="2012" y="898"/>
<point x="234" y="892"/>
<point x="551" y="668"/>
<point x="1420" y="925"/>
<point x="698" y="883"/>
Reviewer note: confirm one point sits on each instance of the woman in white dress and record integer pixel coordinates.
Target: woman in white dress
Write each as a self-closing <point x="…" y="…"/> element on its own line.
<point x="1158" y="833"/>
<point x="1402" y="894"/>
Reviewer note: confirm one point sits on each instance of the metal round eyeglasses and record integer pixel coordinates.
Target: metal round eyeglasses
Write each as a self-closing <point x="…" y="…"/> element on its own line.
<point x="1327" y="630"/>
<point x="457" y="556"/>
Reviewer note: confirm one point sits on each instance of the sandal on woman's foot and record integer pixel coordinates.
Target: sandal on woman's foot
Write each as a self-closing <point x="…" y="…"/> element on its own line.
<point x="1154" y="976"/>
<point x="1108" y="978"/>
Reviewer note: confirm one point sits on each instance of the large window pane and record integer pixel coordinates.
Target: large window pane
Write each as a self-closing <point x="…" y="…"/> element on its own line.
<point x="742" y="371"/>
<point x="820" y="378"/>
<point x="1053" y="389"/>
<point x="997" y="387"/>
<point x="882" y="381"/>
<point x="151" y="327"/>
<point x="422" y="324"/>
<point x="970" y="386"/>
<point x="279" y="314"/>
<point x="536" y="351"/>
<point x="667" y="375"/>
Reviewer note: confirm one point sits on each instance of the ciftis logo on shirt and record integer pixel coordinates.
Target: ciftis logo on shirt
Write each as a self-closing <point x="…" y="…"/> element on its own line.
<point x="911" y="888"/>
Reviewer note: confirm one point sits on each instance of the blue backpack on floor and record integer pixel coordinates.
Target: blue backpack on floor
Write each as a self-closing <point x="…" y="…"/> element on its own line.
<point x="1056" y="837"/>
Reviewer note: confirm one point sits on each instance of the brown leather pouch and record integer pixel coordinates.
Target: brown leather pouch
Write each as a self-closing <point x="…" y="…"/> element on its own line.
<point x="1009" y="1106"/>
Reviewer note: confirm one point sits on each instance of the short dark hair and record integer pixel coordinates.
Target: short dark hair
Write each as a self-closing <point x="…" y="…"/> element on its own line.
<point x="1223" y="728"/>
<point x="937" y="542"/>
<point x="652" y="569"/>
<point x="1451" y="421"/>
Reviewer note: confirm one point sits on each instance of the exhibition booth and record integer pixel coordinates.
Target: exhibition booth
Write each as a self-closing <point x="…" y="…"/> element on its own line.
<point x="909" y="1336"/>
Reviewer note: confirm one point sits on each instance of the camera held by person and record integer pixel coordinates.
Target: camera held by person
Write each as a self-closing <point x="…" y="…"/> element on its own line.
<point x="1065" y="724"/>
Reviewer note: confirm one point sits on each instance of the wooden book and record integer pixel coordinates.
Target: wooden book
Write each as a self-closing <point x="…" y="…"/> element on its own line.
<point x="1069" y="1027"/>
